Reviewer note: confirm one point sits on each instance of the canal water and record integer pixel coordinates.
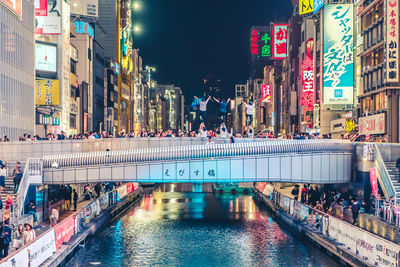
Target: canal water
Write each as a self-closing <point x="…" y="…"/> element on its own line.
<point x="171" y="228"/>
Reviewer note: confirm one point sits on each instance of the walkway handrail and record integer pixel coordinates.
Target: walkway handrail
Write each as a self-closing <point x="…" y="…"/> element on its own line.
<point x="383" y="175"/>
<point x="196" y="152"/>
<point x="32" y="167"/>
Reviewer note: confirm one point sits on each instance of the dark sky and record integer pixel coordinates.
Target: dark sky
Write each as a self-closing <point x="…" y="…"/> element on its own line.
<point x="187" y="39"/>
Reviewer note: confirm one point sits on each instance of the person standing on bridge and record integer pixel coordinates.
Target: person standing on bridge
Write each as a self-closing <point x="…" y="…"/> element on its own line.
<point x="223" y="105"/>
<point x="203" y="107"/>
<point x="249" y="111"/>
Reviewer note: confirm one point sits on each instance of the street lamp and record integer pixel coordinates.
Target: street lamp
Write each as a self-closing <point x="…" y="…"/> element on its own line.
<point x="137" y="28"/>
<point x="136" y="6"/>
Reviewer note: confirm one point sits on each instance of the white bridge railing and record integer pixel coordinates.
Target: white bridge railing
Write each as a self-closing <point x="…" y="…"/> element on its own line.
<point x="195" y="152"/>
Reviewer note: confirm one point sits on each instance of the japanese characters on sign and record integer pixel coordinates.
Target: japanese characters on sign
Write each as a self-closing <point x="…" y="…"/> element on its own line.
<point x="306" y="6"/>
<point x="392" y="37"/>
<point x="260" y="42"/>
<point x="338" y="55"/>
<point x="47" y="92"/>
<point x="266" y="93"/>
<point x="374" y="124"/>
<point x="307" y="98"/>
<point x="279" y="41"/>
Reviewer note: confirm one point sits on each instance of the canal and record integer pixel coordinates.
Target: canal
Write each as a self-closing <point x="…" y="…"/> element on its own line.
<point x="175" y="228"/>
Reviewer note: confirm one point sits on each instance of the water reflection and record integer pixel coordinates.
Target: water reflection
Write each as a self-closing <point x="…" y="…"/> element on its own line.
<point x="197" y="229"/>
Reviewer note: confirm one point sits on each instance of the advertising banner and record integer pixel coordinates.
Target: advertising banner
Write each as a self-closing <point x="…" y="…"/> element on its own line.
<point x="306" y="6"/>
<point x="40" y="7"/>
<point x="14" y="5"/>
<point x="85" y="7"/>
<point x="374" y="182"/>
<point x="279" y="41"/>
<point x="266" y="93"/>
<point x="48" y="19"/>
<point x="122" y="191"/>
<point x="64" y="231"/>
<point x="338" y="55"/>
<point x="392" y="38"/>
<point x="286" y="203"/>
<point x="374" y="124"/>
<point x="47" y="93"/>
<point x="129" y="188"/>
<point x="367" y="245"/>
<point x="103" y="202"/>
<point x="19" y="259"/>
<point x="46" y="57"/>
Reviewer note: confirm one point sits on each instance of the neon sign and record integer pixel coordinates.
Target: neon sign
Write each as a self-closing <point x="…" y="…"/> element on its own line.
<point x="83" y="28"/>
<point x="307" y="98"/>
<point x="279" y="41"/>
<point x="266" y="93"/>
<point x="260" y="44"/>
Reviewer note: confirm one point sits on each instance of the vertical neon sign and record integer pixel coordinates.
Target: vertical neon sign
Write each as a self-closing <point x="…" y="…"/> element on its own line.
<point x="307" y="98"/>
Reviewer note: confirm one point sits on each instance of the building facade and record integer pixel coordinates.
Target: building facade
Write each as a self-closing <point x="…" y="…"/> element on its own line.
<point x="17" y="69"/>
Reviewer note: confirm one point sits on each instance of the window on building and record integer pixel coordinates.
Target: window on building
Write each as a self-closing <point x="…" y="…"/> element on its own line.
<point x="72" y="121"/>
<point x="90" y="54"/>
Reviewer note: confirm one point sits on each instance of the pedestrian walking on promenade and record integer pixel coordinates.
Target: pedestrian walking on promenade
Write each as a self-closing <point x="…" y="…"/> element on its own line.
<point x="5" y="239"/>
<point x="355" y="209"/>
<point x="75" y="197"/>
<point x="29" y="234"/>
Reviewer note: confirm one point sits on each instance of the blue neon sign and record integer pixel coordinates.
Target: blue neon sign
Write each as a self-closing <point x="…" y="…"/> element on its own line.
<point x="82" y="27"/>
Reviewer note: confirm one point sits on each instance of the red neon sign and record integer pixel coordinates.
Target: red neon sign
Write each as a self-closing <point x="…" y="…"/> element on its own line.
<point x="307" y="98"/>
<point x="266" y="93"/>
<point x="279" y="41"/>
<point x="254" y="40"/>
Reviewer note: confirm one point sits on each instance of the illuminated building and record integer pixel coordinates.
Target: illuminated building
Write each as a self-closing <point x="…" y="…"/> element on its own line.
<point x="17" y="67"/>
<point x="378" y="83"/>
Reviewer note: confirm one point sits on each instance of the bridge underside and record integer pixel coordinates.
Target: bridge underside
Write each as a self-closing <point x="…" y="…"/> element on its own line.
<point x="317" y="168"/>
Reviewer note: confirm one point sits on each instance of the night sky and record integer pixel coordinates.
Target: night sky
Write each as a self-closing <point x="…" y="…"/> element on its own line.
<point x="186" y="39"/>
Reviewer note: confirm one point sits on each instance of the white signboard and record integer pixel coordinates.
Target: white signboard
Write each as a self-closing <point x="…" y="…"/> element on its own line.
<point x="49" y="21"/>
<point x="85" y="8"/>
<point x="338" y="55"/>
<point x="374" y="124"/>
<point x="46" y="57"/>
<point x="367" y="245"/>
<point x="37" y="252"/>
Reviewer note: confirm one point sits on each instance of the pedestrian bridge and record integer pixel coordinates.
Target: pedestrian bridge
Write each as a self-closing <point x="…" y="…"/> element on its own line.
<point x="298" y="161"/>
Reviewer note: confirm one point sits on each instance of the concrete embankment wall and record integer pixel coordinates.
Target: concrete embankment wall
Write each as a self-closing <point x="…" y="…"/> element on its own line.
<point x="54" y="246"/>
<point x="351" y="245"/>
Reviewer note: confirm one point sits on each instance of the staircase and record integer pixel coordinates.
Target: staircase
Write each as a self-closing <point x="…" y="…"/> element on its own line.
<point x="394" y="177"/>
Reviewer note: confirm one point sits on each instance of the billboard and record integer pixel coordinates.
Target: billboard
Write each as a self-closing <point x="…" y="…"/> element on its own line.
<point x="46" y="57"/>
<point x="306" y="6"/>
<point x="392" y="37"/>
<point x="47" y="92"/>
<point x="266" y="93"/>
<point x="279" y="41"/>
<point x="318" y="4"/>
<point x="338" y="55"/>
<point x="48" y="16"/>
<point x="86" y="8"/>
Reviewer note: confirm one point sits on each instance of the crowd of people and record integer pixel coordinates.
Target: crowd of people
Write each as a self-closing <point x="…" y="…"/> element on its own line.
<point x="328" y="200"/>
